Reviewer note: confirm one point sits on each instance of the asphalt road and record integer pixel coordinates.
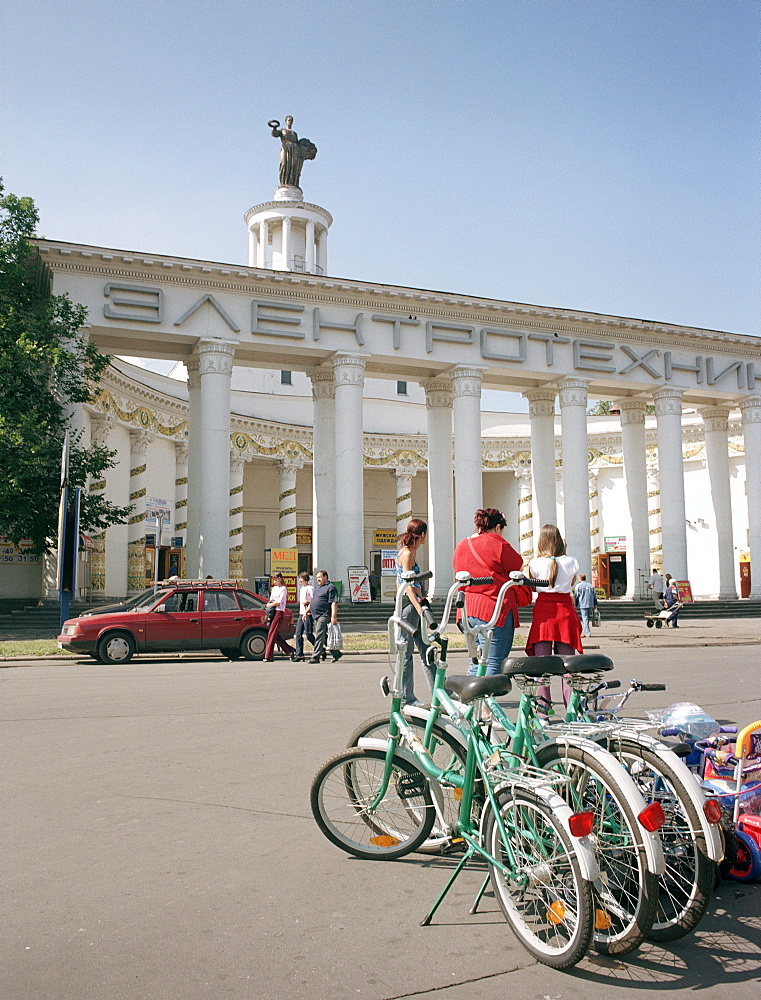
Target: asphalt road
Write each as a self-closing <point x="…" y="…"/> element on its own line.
<point x="158" y="845"/>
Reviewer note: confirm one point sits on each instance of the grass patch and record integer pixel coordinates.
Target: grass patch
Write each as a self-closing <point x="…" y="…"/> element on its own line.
<point x="31" y="647"/>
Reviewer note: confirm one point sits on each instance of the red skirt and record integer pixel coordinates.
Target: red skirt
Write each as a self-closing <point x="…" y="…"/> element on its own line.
<point x="555" y="620"/>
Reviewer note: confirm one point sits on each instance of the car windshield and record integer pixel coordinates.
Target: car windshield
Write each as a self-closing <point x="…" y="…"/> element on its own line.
<point x="143" y="600"/>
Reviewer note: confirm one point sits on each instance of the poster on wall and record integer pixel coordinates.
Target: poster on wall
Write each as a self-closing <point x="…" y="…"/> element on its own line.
<point x="286" y="561"/>
<point x="382" y="539"/>
<point x="359" y="584"/>
<point x="388" y="575"/>
<point x="21" y="553"/>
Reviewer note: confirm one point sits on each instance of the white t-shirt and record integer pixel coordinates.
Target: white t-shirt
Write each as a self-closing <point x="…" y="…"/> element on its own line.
<point x="568" y="568"/>
<point x="305" y="596"/>
<point x="279" y="597"/>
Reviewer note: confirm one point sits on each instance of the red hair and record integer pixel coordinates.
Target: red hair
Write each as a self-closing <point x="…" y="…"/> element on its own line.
<point x="489" y="519"/>
<point x="415" y="528"/>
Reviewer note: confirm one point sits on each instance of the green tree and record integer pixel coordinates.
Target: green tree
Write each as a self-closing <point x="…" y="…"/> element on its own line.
<point x="46" y="364"/>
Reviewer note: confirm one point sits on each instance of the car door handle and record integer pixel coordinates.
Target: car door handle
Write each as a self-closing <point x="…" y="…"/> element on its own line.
<point x="193" y="621"/>
<point x="237" y="619"/>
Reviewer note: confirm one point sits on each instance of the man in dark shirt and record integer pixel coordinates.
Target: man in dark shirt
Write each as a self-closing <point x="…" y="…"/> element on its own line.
<point x="323" y="608"/>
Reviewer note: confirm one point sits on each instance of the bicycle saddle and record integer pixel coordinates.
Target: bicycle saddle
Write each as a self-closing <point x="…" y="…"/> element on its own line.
<point x="534" y="666"/>
<point x="468" y="689"/>
<point x="587" y="663"/>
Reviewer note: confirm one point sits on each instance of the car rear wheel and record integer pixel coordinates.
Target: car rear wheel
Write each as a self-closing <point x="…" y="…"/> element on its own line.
<point x="231" y="652"/>
<point x="116" y="647"/>
<point x="253" y="645"/>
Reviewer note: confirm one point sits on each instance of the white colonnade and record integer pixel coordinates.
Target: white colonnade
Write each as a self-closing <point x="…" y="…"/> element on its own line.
<point x="575" y="449"/>
<point x="716" y="427"/>
<point x="324" y="470"/>
<point x="668" y="414"/>
<point x="215" y="366"/>
<point x="466" y="415"/>
<point x="635" y="473"/>
<point x="541" y="411"/>
<point x="438" y="402"/>
<point x="349" y="378"/>
<point x="750" y="408"/>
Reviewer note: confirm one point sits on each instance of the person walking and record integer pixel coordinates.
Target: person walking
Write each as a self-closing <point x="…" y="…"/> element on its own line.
<point x="671" y="597"/>
<point x="487" y="553"/>
<point x="277" y="601"/>
<point x="555" y="626"/>
<point x="656" y="583"/>
<point x="305" y="623"/>
<point x="586" y="602"/>
<point x="413" y="536"/>
<point x="323" y="607"/>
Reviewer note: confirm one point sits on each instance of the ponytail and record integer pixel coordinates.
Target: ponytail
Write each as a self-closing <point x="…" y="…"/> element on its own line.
<point x="551" y="545"/>
<point x="415" y="528"/>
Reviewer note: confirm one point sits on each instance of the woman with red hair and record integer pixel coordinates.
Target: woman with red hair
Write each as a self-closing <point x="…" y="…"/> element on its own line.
<point x="487" y="553"/>
<point x="414" y="601"/>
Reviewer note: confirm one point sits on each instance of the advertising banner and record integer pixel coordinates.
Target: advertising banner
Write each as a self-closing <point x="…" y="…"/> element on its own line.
<point x="384" y="539"/>
<point x="286" y="561"/>
<point x="388" y="575"/>
<point x="685" y="591"/>
<point x="21" y="553"/>
<point x="359" y="584"/>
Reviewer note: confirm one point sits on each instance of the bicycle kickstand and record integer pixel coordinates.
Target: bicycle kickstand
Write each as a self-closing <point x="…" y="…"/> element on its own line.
<point x="464" y="860"/>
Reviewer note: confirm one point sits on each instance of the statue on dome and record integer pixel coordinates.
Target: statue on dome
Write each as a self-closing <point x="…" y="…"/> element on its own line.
<point x="293" y="151"/>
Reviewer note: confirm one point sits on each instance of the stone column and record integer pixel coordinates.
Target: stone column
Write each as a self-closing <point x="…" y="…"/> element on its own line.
<point x="654" y="517"/>
<point x="181" y="492"/>
<point x="286" y="244"/>
<point x="193" y="531"/>
<point x="264" y="237"/>
<point x="309" y="261"/>
<point x="403" y="479"/>
<point x="287" y="503"/>
<point x="525" y="514"/>
<point x="253" y="246"/>
<point x="215" y="360"/>
<point x="468" y="467"/>
<point x="322" y="251"/>
<point x="750" y="408"/>
<point x="139" y="441"/>
<point x="595" y="536"/>
<point x="716" y="428"/>
<point x="349" y="376"/>
<point x="541" y="411"/>
<point x="235" y="524"/>
<point x="323" y="471"/>
<point x="438" y="404"/>
<point x="100" y="425"/>
<point x="573" y="417"/>
<point x="638" y="562"/>
<point x="668" y="414"/>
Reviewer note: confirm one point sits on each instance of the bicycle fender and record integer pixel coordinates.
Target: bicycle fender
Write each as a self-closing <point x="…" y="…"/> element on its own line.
<point x="584" y="853"/>
<point x="370" y="743"/>
<point x="714" y="844"/>
<point x="651" y="842"/>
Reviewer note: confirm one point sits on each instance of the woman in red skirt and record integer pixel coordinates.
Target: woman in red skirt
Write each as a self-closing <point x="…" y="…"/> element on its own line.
<point x="555" y="627"/>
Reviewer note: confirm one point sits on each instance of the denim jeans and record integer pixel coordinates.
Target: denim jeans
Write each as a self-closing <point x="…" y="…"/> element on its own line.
<point x="304" y="627"/>
<point x="501" y="644"/>
<point x="410" y="615"/>
<point x="586" y="622"/>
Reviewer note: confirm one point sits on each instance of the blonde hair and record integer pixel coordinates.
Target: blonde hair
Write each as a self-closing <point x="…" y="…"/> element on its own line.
<point x="551" y="545"/>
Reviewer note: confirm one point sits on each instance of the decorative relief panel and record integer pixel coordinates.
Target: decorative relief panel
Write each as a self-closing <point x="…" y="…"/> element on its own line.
<point x="139" y="416"/>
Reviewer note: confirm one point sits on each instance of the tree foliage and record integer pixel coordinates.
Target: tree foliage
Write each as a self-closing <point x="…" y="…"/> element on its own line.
<point x="46" y="366"/>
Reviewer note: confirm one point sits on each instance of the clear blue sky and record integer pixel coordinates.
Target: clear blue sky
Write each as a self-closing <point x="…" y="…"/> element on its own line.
<point x="589" y="154"/>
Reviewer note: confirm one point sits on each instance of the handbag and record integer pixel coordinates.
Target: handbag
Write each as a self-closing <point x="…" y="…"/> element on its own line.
<point x="335" y="639"/>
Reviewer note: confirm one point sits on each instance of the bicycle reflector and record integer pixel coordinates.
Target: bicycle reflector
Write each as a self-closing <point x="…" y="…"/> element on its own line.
<point x="652" y="817"/>
<point x="556" y="912"/>
<point x="713" y="811"/>
<point x="581" y="824"/>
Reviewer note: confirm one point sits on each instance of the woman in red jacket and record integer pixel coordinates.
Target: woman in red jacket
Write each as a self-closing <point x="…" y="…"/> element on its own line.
<point x="486" y="553"/>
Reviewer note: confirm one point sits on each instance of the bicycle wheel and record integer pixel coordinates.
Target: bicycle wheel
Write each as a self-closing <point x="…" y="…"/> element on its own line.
<point x="685" y="888"/>
<point x="626" y="906"/>
<point x="446" y="753"/>
<point x="342" y="795"/>
<point x="542" y="893"/>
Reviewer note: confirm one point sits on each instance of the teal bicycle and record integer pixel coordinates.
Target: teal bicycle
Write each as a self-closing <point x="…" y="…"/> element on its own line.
<point x="627" y="847"/>
<point x="382" y="798"/>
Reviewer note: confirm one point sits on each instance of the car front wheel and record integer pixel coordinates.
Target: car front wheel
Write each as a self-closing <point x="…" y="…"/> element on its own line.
<point x="253" y="645"/>
<point x="116" y="647"/>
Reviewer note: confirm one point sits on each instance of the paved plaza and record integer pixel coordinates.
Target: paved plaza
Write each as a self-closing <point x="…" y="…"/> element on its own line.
<point x="159" y="843"/>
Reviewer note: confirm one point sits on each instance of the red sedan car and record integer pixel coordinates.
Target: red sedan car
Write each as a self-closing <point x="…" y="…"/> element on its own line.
<point x="182" y="615"/>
